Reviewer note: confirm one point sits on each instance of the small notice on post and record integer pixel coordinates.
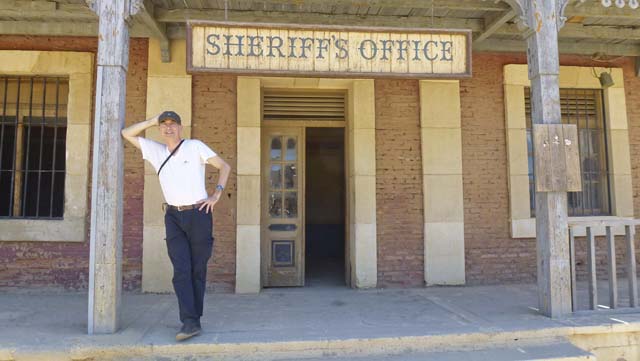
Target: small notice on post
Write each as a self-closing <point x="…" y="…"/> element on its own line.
<point x="327" y="50"/>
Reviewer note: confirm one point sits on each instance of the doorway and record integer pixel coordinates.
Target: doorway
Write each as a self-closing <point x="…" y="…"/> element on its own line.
<point x="303" y="188"/>
<point x="325" y="207"/>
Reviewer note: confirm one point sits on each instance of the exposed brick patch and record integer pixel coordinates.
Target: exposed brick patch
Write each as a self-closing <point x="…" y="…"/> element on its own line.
<point x="399" y="199"/>
<point x="66" y="265"/>
<point x="214" y="122"/>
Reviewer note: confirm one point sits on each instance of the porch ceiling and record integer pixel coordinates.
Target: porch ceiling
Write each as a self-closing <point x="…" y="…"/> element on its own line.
<point x="590" y="29"/>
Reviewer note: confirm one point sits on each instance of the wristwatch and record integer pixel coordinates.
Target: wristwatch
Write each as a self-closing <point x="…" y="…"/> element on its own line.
<point x="219" y="187"/>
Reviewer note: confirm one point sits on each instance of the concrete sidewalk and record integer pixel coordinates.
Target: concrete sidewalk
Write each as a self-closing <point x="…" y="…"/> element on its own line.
<point x="309" y="321"/>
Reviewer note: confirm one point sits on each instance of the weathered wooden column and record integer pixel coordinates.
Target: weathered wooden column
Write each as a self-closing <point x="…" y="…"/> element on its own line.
<point x="105" y="278"/>
<point x="542" y="21"/>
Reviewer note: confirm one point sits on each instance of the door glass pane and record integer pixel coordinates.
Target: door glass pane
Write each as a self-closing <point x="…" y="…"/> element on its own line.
<point x="290" y="176"/>
<point x="291" y="149"/>
<point x="275" y="205"/>
<point x="275" y="177"/>
<point x="276" y="148"/>
<point x="291" y="204"/>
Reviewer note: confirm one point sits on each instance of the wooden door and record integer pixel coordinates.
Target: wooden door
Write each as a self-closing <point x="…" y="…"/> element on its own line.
<point x="282" y="241"/>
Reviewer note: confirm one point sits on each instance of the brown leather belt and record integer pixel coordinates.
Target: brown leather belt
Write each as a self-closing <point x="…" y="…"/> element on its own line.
<point x="181" y="208"/>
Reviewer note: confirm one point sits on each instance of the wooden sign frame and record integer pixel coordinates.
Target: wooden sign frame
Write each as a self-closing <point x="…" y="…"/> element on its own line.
<point x="329" y="28"/>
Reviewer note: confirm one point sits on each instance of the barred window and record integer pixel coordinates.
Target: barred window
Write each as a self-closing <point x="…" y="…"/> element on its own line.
<point x="33" y="131"/>
<point x="584" y="108"/>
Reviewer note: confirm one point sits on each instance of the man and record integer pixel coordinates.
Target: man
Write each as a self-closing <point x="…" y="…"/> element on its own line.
<point x="180" y="164"/>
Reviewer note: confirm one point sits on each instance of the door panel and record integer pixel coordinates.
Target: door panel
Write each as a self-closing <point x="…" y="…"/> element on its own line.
<point x="282" y="241"/>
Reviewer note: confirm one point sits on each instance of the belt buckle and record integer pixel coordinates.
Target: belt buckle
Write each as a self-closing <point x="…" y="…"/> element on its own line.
<point x="181" y="208"/>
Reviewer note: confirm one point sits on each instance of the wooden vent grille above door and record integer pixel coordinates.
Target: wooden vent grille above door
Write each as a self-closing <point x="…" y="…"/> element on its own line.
<point x="303" y="105"/>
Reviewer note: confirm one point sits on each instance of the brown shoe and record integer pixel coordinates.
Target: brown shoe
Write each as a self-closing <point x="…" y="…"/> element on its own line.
<point x="187" y="331"/>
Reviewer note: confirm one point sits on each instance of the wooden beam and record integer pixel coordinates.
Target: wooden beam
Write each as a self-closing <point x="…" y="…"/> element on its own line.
<point x="494" y="25"/>
<point x="105" y="266"/>
<point x="45" y="10"/>
<point x="182" y="15"/>
<point x="596" y="10"/>
<point x="565" y="47"/>
<point x="455" y="5"/>
<point x="156" y="29"/>
<point x="579" y="31"/>
<point x="637" y="66"/>
<point x="60" y="29"/>
<point x="553" y="254"/>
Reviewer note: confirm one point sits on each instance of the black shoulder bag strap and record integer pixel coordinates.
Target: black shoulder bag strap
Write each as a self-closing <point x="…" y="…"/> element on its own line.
<point x="170" y="155"/>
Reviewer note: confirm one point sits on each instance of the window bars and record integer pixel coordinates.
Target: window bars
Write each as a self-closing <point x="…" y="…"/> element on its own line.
<point x="33" y="135"/>
<point x="584" y="108"/>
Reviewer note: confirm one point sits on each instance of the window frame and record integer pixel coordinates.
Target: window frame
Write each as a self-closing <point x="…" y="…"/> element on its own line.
<point x="600" y="119"/>
<point x="522" y="225"/>
<point x="78" y="68"/>
<point x="31" y="120"/>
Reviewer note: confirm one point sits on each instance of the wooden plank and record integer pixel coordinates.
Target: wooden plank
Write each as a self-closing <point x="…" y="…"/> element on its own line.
<point x="572" y="157"/>
<point x="613" y="276"/>
<point x="572" y="260"/>
<point x="558" y="163"/>
<point x="358" y="64"/>
<point x="237" y="59"/>
<point x="603" y="223"/>
<point x="276" y="61"/>
<point x="215" y="48"/>
<point x="591" y="270"/>
<point x="381" y="63"/>
<point x="45" y="9"/>
<point x="631" y="266"/>
<point x="420" y="64"/>
<point x="156" y="29"/>
<point x="418" y="22"/>
<point x="496" y="23"/>
<point x="322" y="57"/>
<point x="401" y="60"/>
<point x="564" y="47"/>
<point x="461" y="59"/>
<point x="542" y="158"/>
<point x="340" y="62"/>
<point x="197" y="48"/>
<point x="448" y="5"/>
<point x="441" y="65"/>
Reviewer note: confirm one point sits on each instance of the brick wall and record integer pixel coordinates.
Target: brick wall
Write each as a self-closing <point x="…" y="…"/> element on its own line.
<point x="399" y="184"/>
<point x="214" y="122"/>
<point x="492" y="256"/>
<point x="66" y="265"/>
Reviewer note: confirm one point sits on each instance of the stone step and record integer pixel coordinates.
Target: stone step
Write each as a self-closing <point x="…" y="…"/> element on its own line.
<point x="556" y="350"/>
<point x="549" y="352"/>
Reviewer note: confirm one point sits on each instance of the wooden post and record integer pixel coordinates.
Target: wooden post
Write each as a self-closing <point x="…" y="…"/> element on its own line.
<point x="629" y="231"/>
<point x="612" y="268"/>
<point x="541" y="21"/>
<point x="591" y="269"/>
<point x="572" y="264"/>
<point x="106" y="198"/>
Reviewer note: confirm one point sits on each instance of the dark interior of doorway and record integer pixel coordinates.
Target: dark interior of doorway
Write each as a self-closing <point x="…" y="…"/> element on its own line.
<point x="325" y="207"/>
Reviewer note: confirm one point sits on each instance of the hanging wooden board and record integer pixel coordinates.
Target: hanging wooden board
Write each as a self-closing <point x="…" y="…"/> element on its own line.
<point x="327" y="50"/>
<point x="557" y="158"/>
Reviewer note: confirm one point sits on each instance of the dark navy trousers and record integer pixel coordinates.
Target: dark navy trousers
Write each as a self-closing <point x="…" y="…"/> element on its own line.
<point x="190" y="245"/>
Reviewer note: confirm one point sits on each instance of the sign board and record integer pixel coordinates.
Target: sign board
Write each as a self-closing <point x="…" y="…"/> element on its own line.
<point x="557" y="158"/>
<point x="327" y="50"/>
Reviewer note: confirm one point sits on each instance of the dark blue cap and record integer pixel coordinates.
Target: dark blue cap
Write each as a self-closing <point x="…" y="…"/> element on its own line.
<point x="169" y="115"/>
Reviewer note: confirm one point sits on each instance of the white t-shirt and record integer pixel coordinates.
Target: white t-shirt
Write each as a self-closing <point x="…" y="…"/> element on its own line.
<point x="182" y="178"/>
